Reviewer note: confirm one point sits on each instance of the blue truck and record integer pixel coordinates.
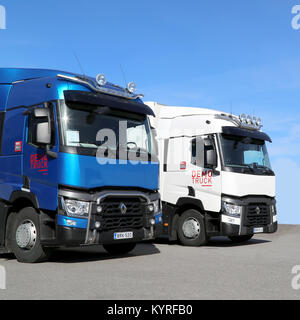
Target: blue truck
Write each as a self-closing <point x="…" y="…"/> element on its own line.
<point x="77" y="164"/>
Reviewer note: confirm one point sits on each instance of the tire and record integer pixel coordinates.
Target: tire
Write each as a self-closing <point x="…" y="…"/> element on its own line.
<point x="240" y="239"/>
<point x="120" y="248"/>
<point x="23" y="236"/>
<point x="191" y="229"/>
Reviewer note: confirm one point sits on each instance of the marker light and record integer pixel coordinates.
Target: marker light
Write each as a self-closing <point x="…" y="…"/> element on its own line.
<point x="258" y="121"/>
<point x="101" y="80"/>
<point x="151" y="207"/>
<point x="182" y="165"/>
<point x="71" y="223"/>
<point x="152" y="222"/>
<point x="97" y="224"/>
<point x="131" y="87"/>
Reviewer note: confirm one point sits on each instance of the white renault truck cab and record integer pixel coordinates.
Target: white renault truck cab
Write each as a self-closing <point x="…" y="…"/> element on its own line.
<point x="215" y="175"/>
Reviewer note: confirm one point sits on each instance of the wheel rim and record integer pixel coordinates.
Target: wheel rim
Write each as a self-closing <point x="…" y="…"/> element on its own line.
<point x="26" y="235"/>
<point x="191" y="228"/>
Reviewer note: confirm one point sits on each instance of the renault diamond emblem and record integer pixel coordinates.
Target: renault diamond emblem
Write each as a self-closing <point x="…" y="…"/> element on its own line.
<point x="123" y="208"/>
<point x="257" y="210"/>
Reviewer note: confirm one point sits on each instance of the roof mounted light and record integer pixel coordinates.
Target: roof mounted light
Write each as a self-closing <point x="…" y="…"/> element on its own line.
<point x="243" y="121"/>
<point x="258" y="122"/>
<point x="101" y="80"/>
<point x="109" y="89"/>
<point x="131" y="87"/>
<point x="250" y="122"/>
<point x="243" y="118"/>
<point x="249" y="119"/>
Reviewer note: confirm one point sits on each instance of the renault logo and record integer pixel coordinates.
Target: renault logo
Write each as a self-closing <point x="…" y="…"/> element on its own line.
<point x="123" y="208"/>
<point x="257" y="210"/>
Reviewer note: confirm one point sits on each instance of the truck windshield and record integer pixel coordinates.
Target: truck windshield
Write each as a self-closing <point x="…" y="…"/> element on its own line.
<point x="89" y="128"/>
<point x="245" y="152"/>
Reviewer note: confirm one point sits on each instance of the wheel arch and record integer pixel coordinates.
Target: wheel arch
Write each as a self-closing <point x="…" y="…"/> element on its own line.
<point x="183" y="204"/>
<point x="22" y="199"/>
<point x="186" y="203"/>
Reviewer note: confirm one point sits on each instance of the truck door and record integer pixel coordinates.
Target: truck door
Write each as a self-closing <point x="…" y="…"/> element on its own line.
<point x="204" y="179"/>
<point x="40" y="170"/>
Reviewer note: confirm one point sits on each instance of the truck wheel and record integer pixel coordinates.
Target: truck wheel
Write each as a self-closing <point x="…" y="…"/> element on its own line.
<point x="191" y="229"/>
<point x="24" y="237"/>
<point x="240" y="239"/>
<point x="120" y="248"/>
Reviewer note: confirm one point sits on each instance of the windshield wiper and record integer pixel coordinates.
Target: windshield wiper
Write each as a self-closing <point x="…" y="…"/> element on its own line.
<point x="245" y="165"/>
<point x="248" y="166"/>
<point x="139" y="151"/>
<point x="260" y="166"/>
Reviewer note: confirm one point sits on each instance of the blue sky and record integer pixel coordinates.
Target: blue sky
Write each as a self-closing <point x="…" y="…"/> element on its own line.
<point x="232" y="55"/>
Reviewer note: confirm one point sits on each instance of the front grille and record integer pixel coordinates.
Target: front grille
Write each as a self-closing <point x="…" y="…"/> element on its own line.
<point x="113" y="207"/>
<point x="122" y="223"/>
<point x="112" y="217"/>
<point x="255" y="219"/>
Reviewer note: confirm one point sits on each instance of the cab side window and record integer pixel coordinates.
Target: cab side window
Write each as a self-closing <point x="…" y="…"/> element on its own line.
<point x="32" y="124"/>
<point x="194" y="153"/>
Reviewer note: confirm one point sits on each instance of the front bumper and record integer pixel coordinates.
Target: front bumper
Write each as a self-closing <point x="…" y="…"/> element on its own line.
<point x="100" y="228"/>
<point x="250" y="221"/>
<point x="228" y="229"/>
<point x="68" y="236"/>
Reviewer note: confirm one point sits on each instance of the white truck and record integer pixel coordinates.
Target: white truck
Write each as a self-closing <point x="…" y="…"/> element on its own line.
<point x="215" y="175"/>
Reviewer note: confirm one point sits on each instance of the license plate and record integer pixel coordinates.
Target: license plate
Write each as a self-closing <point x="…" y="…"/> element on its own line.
<point x="258" y="230"/>
<point x="123" y="235"/>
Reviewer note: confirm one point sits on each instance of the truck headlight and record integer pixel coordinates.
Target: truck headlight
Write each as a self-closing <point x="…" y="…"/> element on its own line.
<point x="75" y="208"/>
<point x="154" y="207"/>
<point x="232" y="208"/>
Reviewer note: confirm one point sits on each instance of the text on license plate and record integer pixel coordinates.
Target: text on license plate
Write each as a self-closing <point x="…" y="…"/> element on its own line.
<point x="123" y="235"/>
<point x="258" y="230"/>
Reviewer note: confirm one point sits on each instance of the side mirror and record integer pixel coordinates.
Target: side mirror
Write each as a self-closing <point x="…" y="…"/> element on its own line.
<point x="43" y="126"/>
<point x="210" y="154"/>
<point x="41" y="113"/>
<point x="43" y="133"/>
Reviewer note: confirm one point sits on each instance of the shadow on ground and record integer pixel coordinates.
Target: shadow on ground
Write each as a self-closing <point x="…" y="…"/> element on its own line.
<point x="225" y="242"/>
<point x="93" y="253"/>
<point x="217" y="242"/>
<point x="97" y="253"/>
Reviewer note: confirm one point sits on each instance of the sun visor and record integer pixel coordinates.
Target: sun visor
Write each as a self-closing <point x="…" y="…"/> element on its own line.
<point x="100" y="99"/>
<point x="235" y="131"/>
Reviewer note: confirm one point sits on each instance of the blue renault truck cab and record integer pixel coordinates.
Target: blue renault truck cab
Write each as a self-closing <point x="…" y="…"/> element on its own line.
<point x="77" y="164"/>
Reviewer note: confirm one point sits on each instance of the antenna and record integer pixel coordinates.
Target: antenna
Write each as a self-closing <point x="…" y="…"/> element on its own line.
<point x="123" y="73"/>
<point x="80" y="66"/>
<point x="231" y="107"/>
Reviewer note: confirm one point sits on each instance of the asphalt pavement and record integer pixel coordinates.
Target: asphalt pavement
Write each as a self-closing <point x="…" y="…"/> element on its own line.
<point x="261" y="269"/>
